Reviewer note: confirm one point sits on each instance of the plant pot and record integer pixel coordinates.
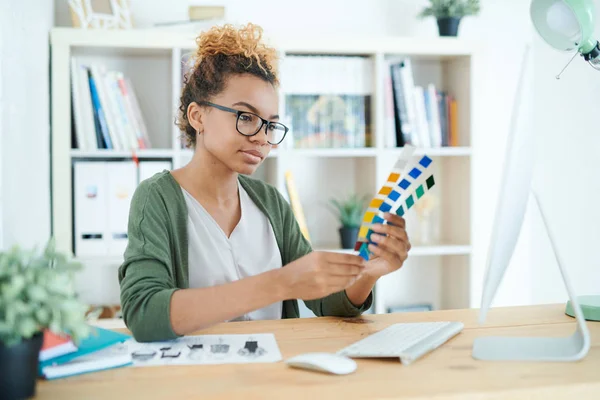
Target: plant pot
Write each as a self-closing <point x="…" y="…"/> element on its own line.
<point x="348" y="236"/>
<point x="19" y="368"/>
<point x="448" y="26"/>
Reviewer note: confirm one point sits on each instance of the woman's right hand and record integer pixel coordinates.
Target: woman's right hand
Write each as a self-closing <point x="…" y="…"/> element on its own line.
<point x="319" y="274"/>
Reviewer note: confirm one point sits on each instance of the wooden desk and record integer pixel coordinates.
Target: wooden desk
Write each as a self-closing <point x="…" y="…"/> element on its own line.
<point x="448" y="373"/>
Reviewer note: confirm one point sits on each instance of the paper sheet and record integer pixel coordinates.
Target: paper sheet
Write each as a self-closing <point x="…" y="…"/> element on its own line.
<point x="205" y="349"/>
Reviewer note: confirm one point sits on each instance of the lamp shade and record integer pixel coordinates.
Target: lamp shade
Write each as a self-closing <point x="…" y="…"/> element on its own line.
<point x="565" y="24"/>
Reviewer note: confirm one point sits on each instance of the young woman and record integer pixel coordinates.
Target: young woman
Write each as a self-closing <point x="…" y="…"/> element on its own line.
<point x="207" y="243"/>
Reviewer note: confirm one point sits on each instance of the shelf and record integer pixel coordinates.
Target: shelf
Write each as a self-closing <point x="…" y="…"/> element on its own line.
<point x="346" y="152"/>
<point x="419" y="251"/>
<point x="150" y="153"/>
<point x="437" y="151"/>
<point x="435" y="47"/>
<point x="334" y="249"/>
<point x="188" y="153"/>
<point x="135" y="40"/>
<point x="95" y="260"/>
<point x="439" y="250"/>
<point x="341" y="152"/>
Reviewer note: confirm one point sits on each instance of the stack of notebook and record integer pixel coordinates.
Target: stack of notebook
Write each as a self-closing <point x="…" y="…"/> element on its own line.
<point x="101" y="350"/>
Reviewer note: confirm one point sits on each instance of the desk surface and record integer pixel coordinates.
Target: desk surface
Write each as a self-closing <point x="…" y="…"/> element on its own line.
<point x="447" y="373"/>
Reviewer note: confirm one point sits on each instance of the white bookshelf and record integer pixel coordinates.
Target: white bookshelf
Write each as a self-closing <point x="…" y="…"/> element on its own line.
<point x="152" y="59"/>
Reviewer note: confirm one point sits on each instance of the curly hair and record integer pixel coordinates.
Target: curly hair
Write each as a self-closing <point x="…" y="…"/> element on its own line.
<point x="224" y="51"/>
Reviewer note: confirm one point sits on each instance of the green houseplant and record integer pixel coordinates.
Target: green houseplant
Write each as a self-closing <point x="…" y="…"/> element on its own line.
<point x="449" y="13"/>
<point x="350" y="213"/>
<point x="36" y="293"/>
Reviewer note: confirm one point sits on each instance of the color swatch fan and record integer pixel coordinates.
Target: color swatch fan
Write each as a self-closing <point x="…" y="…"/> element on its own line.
<point x="408" y="181"/>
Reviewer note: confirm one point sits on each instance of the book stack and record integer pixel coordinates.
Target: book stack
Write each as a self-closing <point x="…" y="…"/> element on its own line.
<point x="419" y="115"/>
<point x="101" y="350"/>
<point x="106" y="112"/>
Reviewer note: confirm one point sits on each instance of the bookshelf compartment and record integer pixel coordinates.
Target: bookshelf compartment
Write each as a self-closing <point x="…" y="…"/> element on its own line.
<point x="441" y="217"/>
<point x="267" y="172"/>
<point x="441" y="282"/>
<point x="456" y="279"/>
<point x="328" y="100"/>
<point x="426" y="101"/>
<point x="455" y="206"/>
<point x="149" y="74"/>
<point x="320" y="179"/>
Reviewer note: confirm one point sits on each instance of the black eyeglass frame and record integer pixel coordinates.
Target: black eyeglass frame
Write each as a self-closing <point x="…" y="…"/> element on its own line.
<point x="239" y="113"/>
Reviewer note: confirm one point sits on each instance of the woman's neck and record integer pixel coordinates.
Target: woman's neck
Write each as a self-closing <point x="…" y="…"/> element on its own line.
<point x="209" y="178"/>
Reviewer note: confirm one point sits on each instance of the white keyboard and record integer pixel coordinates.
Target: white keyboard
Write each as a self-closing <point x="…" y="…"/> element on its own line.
<point x="407" y="341"/>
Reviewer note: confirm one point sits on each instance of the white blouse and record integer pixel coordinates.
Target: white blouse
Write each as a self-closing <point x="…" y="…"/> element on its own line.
<point x="215" y="259"/>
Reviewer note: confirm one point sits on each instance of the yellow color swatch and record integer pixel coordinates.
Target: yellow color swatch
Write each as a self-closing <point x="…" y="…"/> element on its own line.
<point x="393" y="177"/>
<point x="385" y="190"/>
<point x="363" y="231"/>
<point x="375" y="203"/>
<point x="369" y="216"/>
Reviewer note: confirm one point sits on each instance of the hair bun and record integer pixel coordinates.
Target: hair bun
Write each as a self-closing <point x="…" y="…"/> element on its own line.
<point x="227" y="40"/>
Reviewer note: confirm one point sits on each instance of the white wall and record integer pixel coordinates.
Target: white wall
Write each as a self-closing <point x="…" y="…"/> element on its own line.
<point x="568" y="143"/>
<point x="2" y="38"/>
<point x="24" y="121"/>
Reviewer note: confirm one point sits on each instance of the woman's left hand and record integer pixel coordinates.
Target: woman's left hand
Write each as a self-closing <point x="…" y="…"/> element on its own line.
<point x="390" y="248"/>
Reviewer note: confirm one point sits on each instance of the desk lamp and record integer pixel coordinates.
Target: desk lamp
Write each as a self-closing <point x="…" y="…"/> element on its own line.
<point x="568" y="25"/>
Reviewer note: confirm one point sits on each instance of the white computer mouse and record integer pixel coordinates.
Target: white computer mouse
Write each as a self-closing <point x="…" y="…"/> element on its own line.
<point x="323" y="362"/>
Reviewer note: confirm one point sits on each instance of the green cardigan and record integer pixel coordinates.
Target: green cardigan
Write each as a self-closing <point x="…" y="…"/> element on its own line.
<point x="156" y="258"/>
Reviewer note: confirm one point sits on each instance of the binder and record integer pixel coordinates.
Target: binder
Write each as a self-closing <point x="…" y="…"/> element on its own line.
<point x="90" y="208"/>
<point x="102" y="193"/>
<point x="121" y="181"/>
<point x="147" y="169"/>
<point x="111" y="357"/>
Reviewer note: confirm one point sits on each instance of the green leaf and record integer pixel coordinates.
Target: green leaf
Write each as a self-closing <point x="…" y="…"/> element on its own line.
<point x="37" y="292"/>
<point x="350" y="210"/>
<point x="451" y="8"/>
<point x="27" y="327"/>
<point x="43" y="316"/>
<point x="13" y="289"/>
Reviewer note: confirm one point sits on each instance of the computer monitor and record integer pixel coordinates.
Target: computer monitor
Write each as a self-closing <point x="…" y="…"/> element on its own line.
<point x="510" y="211"/>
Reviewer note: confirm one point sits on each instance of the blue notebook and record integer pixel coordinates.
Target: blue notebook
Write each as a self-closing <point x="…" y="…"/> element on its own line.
<point x="98" y="339"/>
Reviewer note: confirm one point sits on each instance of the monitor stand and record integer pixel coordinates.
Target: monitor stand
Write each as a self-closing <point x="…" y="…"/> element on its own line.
<point x="570" y="348"/>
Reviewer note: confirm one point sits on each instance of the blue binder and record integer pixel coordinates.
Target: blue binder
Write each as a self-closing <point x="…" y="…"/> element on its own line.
<point x="98" y="339"/>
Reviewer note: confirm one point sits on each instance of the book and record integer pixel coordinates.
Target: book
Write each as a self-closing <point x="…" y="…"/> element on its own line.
<point x="98" y="339"/>
<point x="55" y="346"/>
<point x="110" y="357"/>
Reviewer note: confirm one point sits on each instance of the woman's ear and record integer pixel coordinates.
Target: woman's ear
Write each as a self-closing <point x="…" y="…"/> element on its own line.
<point x="194" y="116"/>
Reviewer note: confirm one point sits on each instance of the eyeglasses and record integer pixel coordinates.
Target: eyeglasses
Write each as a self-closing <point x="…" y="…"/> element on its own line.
<point x="249" y="124"/>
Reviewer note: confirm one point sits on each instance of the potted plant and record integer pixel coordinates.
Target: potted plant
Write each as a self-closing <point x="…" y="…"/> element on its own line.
<point x="449" y="13"/>
<point x="350" y="213"/>
<point x="36" y="293"/>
